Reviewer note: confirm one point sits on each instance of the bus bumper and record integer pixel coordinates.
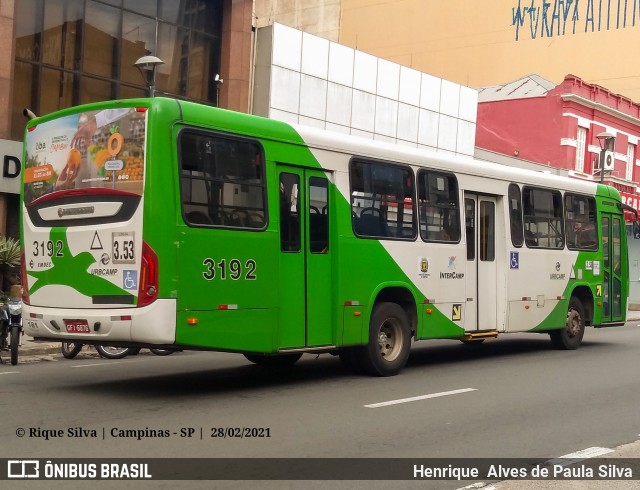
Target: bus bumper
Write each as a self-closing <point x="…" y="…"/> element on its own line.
<point x="152" y="324"/>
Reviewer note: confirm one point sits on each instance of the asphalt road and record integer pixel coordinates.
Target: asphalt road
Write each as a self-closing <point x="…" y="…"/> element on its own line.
<point x="514" y="397"/>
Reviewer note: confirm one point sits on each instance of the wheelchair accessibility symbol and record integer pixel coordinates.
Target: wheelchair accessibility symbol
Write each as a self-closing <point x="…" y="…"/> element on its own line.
<point x="130" y="280"/>
<point x="515" y="260"/>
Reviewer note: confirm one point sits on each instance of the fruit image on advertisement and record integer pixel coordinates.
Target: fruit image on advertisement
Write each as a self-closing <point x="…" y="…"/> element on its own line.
<point x="67" y="178"/>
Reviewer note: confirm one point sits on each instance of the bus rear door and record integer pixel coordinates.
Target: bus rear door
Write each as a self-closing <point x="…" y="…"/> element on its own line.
<point x="305" y="258"/>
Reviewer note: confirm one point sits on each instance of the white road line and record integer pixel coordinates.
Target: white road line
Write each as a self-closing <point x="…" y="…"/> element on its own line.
<point x="417" y="398"/>
<point x="590" y="452"/>
<point x="110" y="363"/>
<point x="11" y="372"/>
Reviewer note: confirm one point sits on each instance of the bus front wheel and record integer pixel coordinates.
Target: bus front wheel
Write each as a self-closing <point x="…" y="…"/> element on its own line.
<point x="389" y="341"/>
<point x="570" y="337"/>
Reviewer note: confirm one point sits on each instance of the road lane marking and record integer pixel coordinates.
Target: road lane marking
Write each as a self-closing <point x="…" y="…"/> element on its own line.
<point x="418" y="398"/>
<point x="571" y="458"/>
<point x="11" y="372"/>
<point x="110" y="363"/>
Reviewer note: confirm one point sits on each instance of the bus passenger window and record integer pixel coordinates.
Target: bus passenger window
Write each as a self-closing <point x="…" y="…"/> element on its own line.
<point x="221" y="181"/>
<point x="382" y="200"/>
<point x="318" y="215"/>
<point x="543" y="221"/>
<point x="289" y="212"/>
<point x="580" y="222"/>
<point x="439" y="208"/>
<point x="515" y="215"/>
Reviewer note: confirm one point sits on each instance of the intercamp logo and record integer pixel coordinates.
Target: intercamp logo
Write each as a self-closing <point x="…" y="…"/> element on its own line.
<point x="23" y="468"/>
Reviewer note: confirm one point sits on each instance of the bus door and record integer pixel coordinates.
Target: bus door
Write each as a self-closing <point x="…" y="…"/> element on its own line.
<point x="305" y="258"/>
<point x="481" y="275"/>
<point x="613" y="265"/>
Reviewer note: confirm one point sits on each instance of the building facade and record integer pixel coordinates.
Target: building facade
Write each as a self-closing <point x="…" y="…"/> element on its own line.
<point x="557" y="126"/>
<point x="60" y="53"/>
<point x="478" y="43"/>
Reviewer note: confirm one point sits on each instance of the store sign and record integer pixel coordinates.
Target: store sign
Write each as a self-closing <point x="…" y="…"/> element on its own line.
<point x="10" y="156"/>
<point x="632" y="200"/>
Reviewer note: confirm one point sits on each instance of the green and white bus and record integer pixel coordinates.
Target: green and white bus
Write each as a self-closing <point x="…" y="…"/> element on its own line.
<point x="160" y="222"/>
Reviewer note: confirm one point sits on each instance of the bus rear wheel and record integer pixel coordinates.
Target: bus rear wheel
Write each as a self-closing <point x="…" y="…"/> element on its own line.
<point x="281" y="360"/>
<point x="570" y="337"/>
<point x="389" y="341"/>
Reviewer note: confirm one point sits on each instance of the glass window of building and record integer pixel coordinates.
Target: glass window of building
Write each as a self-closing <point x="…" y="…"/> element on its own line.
<point x="581" y="141"/>
<point x="70" y="52"/>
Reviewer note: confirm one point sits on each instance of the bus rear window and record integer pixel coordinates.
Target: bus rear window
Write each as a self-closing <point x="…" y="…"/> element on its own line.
<point x="95" y="149"/>
<point x="221" y="181"/>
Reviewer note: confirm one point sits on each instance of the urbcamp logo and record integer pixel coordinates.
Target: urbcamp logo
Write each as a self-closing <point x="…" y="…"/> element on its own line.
<point x="556" y="275"/>
<point x="424" y="267"/>
<point x="104" y="260"/>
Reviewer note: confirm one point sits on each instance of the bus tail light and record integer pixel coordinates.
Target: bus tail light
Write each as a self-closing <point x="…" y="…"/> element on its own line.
<point x="148" y="288"/>
<point x="23" y="279"/>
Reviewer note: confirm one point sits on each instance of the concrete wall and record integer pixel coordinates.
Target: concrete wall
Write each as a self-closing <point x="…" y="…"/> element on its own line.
<point x="305" y="79"/>
<point x="318" y="17"/>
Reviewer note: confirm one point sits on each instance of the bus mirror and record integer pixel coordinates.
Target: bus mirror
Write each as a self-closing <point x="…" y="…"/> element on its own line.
<point x="636" y="229"/>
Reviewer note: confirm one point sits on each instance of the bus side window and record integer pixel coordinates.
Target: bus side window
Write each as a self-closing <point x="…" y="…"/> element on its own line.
<point x="289" y="212"/>
<point x="318" y="215"/>
<point x="580" y="222"/>
<point x="515" y="216"/>
<point x="221" y="181"/>
<point x="439" y="207"/>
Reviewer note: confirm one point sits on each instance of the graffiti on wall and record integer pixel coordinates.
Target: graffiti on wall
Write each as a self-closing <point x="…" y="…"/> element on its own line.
<point x="552" y="18"/>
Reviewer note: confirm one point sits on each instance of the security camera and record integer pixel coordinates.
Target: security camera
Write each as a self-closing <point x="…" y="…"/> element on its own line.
<point x="28" y="113"/>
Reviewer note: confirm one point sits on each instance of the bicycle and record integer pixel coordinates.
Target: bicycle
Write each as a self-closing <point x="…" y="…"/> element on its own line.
<point x="71" y="349"/>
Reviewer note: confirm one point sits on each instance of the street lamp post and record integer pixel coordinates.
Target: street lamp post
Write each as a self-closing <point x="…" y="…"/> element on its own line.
<point x="607" y="142"/>
<point x="218" y="81"/>
<point x="147" y="66"/>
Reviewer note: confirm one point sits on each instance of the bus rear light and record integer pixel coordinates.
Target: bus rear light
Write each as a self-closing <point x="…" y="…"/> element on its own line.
<point x="142" y="109"/>
<point x="32" y="128"/>
<point x="23" y="279"/>
<point x="148" y="289"/>
<point x="227" y="307"/>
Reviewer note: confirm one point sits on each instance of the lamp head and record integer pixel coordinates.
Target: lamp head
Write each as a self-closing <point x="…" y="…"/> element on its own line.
<point x="604" y="138"/>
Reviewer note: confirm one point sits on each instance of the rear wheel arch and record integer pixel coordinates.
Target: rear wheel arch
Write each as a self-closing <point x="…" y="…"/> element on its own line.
<point x="402" y="297"/>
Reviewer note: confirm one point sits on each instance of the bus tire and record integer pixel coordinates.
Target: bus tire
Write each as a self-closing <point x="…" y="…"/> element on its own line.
<point x="161" y="352"/>
<point x="280" y="360"/>
<point x="389" y="341"/>
<point x="570" y="337"/>
<point x="70" y="349"/>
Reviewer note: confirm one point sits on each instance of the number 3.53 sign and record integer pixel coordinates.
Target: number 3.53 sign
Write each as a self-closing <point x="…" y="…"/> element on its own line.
<point x="123" y="247"/>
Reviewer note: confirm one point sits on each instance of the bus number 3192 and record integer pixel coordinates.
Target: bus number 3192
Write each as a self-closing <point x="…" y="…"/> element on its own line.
<point x="233" y="269"/>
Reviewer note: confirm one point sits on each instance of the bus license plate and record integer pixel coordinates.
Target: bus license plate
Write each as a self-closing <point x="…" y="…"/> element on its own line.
<point x="77" y="326"/>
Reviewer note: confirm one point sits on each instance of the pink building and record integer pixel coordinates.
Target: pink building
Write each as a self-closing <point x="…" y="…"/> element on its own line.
<point x="556" y="125"/>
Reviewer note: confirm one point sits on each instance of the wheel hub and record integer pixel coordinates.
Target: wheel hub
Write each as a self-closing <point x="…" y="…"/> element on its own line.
<point x="574" y="323"/>
<point x="387" y="341"/>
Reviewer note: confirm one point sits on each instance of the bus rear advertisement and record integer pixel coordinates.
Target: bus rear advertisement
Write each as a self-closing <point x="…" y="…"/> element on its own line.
<point x="165" y="223"/>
